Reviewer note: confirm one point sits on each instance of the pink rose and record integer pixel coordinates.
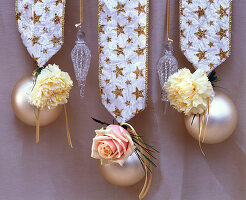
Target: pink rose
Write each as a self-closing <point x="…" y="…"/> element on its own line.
<point x="112" y="145"/>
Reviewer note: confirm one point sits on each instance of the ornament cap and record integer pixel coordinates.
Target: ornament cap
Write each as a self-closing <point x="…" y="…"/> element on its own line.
<point x="80" y="36"/>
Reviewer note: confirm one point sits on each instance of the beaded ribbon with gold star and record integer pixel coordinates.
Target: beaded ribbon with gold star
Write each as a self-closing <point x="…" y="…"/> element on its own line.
<point x="205" y="32"/>
<point x="123" y="56"/>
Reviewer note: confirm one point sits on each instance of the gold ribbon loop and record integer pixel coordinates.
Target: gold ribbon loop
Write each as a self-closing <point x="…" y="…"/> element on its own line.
<point x="147" y="165"/>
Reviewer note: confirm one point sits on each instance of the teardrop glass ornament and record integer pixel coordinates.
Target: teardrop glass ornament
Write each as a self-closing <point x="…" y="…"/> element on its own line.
<point x="81" y="57"/>
<point x="167" y="66"/>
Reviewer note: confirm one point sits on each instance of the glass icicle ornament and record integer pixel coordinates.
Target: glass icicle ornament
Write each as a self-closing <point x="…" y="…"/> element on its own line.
<point x="81" y="57"/>
<point x="167" y="65"/>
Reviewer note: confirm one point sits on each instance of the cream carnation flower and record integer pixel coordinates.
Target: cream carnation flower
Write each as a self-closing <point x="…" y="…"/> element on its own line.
<point x="51" y="89"/>
<point x="189" y="93"/>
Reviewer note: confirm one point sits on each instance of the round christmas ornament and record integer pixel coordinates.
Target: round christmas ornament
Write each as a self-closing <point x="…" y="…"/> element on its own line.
<point x="39" y="98"/>
<point x="127" y="175"/>
<point x="124" y="158"/>
<point x="221" y="121"/>
<point x="24" y="111"/>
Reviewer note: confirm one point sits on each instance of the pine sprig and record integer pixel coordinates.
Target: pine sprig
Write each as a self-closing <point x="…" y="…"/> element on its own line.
<point x="213" y="78"/>
<point x="100" y="122"/>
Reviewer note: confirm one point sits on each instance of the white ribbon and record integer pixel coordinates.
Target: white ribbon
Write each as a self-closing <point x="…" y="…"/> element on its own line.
<point x="123" y="51"/>
<point x="205" y="32"/>
<point x="40" y="23"/>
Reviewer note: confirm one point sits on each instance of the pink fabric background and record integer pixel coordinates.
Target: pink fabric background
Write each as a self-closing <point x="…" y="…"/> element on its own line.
<point x="53" y="171"/>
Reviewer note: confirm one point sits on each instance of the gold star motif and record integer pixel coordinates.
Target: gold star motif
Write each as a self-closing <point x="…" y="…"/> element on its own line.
<point x="35" y="59"/>
<point x="222" y="12"/>
<point x="140" y="8"/>
<point x="26" y="7"/>
<point x="108" y="18"/>
<point x="211" y="44"/>
<point x="100" y="29"/>
<point x="182" y="11"/>
<point x="108" y="101"/>
<point x="128" y="82"/>
<point x="129" y="40"/>
<point x="140" y="30"/>
<point x="109" y="39"/>
<point x="118" y="71"/>
<point x="100" y="7"/>
<point x="55" y="40"/>
<point x="211" y="23"/>
<point x="138" y="72"/>
<point x="36" y="18"/>
<point x="129" y="19"/>
<point x="107" y="60"/>
<point x="182" y="33"/>
<point x="189" y="43"/>
<point x="127" y="103"/>
<point x="45" y="51"/>
<point x="201" y="33"/>
<point x="201" y="55"/>
<point x="189" y="1"/>
<point x="222" y="33"/>
<point x="119" y="29"/>
<point x="101" y="49"/>
<point x="118" y="92"/>
<point x="34" y="40"/>
<point x="137" y="111"/>
<point x="56" y="19"/>
<point x="200" y="12"/>
<point x="117" y="112"/>
<point x="107" y="81"/>
<point x="189" y="22"/>
<point x="138" y="93"/>
<point x="18" y="16"/>
<point x="211" y="65"/>
<point x="139" y="51"/>
<point x="35" y="1"/>
<point x="129" y="61"/>
<point x="211" y="1"/>
<point x="58" y="1"/>
<point x="222" y="54"/>
<point x="47" y="9"/>
<point x="119" y="50"/>
<point x="120" y="8"/>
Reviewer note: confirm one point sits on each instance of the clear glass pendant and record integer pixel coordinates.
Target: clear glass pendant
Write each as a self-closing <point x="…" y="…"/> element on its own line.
<point x="81" y="57"/>
<point x="167" y="65"/>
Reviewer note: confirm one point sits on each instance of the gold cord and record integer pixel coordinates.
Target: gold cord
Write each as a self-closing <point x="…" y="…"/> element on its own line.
<point x="67" y="127"/>
<point x="168" y="21"/>
<point x="81" y="14"/>
<point x="37" y="125"/>
<point x="147" y="165"/>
